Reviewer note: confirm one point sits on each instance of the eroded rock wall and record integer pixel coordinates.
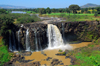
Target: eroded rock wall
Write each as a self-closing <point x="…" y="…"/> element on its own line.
<point x="71" y="31"/>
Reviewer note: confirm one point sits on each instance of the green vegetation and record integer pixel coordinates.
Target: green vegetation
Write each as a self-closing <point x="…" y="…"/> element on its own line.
<point x="21" y="18"/>
<point x="74" y="17"/>
<point x="30" y="12"/>
<point x="2" y="11"/>
<point x="60" y="50"/>
<point x="27" y="19"/>
<point x="87" y="56"/>
<point x="5" y="56"/>
<point x="6" y="26"/>
<point x="74" y="8"/>
<point x="57" y="14"/>
<point x="98" y="10"/>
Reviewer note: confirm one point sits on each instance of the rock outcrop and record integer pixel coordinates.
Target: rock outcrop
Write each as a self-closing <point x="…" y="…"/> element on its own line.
<point x="71" y="31"/>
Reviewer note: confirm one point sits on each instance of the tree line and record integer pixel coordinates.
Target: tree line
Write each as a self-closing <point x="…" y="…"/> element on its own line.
<point x="70" y="9"/>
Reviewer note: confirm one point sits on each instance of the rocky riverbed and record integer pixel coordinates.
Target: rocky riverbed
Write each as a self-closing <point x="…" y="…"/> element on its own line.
<point x="44" y="58"/>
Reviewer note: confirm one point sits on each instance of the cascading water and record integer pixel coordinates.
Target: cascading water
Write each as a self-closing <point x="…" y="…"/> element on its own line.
<point x="14" y="43"/>
<point x="10" y="44"/>
<point x="19" y="40"/>
<point x="55" y="38"/>
<point x="63" y="29"/>
<point x="40" y="44"/>
<point x="36" y="40"/>
<point x="27" y="40"/>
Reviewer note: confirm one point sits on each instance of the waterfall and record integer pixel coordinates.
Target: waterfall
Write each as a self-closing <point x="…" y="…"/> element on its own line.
<point x="36" y="41"/>
<point x="14" y="43"/>
<point x="27" y="40"/>
<point x="19" y="40"/>
<point x="10" y="44"/>
<point x="63" y="29"/>
<point x="40" y="44"/>
<point x="54" y="36"/>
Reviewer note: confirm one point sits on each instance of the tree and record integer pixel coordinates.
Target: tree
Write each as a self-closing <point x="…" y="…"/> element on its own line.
<point x="74" y="8"/>
<point x="53" y="10"/>
<point x="48" y="10"/>
<point x="67" y="10"/>
<point x="96" y="14"/>
<point x="89" y="12"/>
<point x="42" y="11"/>
<point x="98" y="10"/>
<point x="61" y="10"/>
<point x="2" y="11"/>
<point x="86" y="9"/>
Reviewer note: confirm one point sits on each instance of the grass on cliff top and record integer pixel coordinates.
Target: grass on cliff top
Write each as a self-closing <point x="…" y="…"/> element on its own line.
<point x="30" y="12"/>
<point x="87" y="56"/>
<point x="5" y="56"/>
<point x="70" y="14"/>
<point x="74" y="17"/>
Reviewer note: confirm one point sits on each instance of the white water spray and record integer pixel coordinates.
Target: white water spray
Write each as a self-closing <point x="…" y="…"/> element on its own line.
<point x="19" y="40"/>
<point x="36" y="41"/>
<point x="27" y="40"/>
<point x="55" y="38"/>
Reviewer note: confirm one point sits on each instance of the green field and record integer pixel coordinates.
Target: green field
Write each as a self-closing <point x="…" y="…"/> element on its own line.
<point x="74" y="17"/>
<point x="87" y="56"/>
<point x="70" y="14"/>
<point x="30" y="12"/>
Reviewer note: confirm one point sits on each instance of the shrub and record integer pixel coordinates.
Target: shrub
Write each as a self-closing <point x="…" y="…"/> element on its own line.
<point x="4" y="54"/>
<point x="28" y="19"/>
<point x="60" y="50"/>
<point x="96" y="14"/>
<point x="62" y="15"/>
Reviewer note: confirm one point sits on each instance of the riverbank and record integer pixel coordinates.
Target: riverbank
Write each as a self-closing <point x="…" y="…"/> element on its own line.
<point x="50" y="57"/>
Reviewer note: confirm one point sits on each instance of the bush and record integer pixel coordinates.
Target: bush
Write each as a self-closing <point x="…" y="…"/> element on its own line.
<point x="4" y="54"/>
<point x="28" y="19"/>
<point x="62" y="15"/>
<point x="60" y="50"/>
<point x="96" y="14"/>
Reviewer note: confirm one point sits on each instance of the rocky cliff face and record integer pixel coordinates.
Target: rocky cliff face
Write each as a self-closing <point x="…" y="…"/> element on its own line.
<point x="71" y="31"/>
<point x="37" y="35"/>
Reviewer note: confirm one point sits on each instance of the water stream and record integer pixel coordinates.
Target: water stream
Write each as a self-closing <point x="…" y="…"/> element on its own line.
<point x="19" y="40"/>
<point x="27" y="41"/>
<point x="54" y="36"/>
<point x="14" y="43"/>
<point x="36" y="41"/>
<point x="10" y="44"/>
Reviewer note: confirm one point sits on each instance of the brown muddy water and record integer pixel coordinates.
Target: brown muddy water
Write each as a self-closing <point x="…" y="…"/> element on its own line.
<point x="38" y="56"/>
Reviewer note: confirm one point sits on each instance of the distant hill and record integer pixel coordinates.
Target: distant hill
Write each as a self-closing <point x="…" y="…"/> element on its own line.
<point x="12" y="7"/>
<point x="0" y="7"/>
<point x="90" y="5"/>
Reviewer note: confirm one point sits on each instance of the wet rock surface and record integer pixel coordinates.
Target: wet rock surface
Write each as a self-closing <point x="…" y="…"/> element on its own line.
<point x="48" y="58"/>
<point x="37" y="63"/>
<point x="25" y="53"/>
<point x="55" y="62"/>
<point x="17" y="57"/>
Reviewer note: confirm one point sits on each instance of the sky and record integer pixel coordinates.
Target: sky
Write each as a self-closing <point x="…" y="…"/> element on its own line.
<point x="47" y="3"/>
